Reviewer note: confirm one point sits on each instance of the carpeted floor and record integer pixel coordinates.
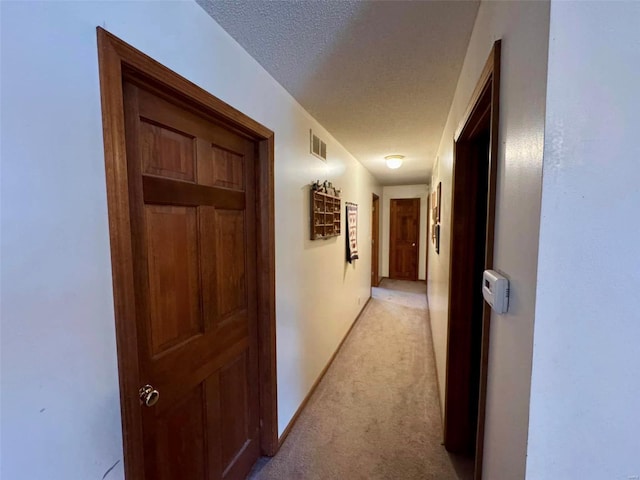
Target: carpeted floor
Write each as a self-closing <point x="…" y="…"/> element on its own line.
<point x="376" y="413"/>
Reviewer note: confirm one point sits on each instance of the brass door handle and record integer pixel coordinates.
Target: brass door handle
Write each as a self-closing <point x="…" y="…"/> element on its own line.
<point x="413" y="244"/>
<point x="149" y="395"/>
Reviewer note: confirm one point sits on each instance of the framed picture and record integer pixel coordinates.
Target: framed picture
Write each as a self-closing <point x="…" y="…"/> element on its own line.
<point x="438" y="201"/>
<point x="434" y="207"/>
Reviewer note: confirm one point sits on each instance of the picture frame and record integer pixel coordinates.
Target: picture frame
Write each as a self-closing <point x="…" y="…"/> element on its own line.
<point x="436" y="213"/>
<point x="434" y="207"/>
<point x="438" y="201"/>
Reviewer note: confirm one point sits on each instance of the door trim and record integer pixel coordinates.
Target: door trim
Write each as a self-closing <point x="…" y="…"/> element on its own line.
<point x="375" y="201"/>
<point x="427" y="237"/>
<point x="491" y="76"/>
<point x="488" y="86"/>
<point x="115" y="58"/>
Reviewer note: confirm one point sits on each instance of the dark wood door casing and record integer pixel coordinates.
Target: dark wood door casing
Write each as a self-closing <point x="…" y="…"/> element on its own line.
<point x="404" y="235"/>
<point x="473" y="215"/>
<point x="375" y="241"/>
<point x="426" y="253"/>
<point x="165" y="203"/>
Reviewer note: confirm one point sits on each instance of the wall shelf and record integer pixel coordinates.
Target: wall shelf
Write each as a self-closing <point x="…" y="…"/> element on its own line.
<point x="325" y="215"/>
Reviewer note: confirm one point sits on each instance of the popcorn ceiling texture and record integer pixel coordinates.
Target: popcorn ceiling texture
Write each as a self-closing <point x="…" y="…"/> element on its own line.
<point x="380" y="76"/>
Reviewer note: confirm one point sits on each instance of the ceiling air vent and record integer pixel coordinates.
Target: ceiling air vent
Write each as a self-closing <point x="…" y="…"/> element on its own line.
<point x="318" y="147"/>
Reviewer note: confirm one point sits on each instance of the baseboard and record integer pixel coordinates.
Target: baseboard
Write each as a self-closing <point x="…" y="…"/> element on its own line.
<point x="302" y="406"/>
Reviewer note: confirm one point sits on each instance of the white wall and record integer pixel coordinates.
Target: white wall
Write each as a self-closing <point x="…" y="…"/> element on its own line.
<point x="585" y="391"/>
<point x="523" y="27"/>
<point x="404" y="191"/>
<point x="60" y="404"/>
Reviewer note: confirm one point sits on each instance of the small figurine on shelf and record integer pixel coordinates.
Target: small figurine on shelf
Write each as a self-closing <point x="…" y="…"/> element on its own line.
<point x="325" y="187"/>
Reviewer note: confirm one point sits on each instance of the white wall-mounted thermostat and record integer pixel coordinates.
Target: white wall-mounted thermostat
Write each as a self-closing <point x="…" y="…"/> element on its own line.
<point x="495" y="290"/>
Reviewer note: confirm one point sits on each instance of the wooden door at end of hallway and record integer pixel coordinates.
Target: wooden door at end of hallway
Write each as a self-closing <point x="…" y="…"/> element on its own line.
<point x="192" y="209"/>
<point x="375" y="241"/>
<point x="404" y="238"/>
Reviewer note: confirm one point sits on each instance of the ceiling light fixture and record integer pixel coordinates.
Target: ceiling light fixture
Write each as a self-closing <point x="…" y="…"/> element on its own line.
<point x="394" y="161"/>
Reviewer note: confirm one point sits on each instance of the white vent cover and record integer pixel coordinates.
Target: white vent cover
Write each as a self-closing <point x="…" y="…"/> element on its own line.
<point x="318" y="147"/>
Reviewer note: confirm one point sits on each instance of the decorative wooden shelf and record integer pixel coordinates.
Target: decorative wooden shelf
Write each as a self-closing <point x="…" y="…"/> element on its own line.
<point x="325" y="215"/>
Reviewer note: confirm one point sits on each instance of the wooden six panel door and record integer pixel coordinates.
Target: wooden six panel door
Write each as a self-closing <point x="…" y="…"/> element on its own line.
<point x="192" y="203"/>
<point x="404" y="233"/>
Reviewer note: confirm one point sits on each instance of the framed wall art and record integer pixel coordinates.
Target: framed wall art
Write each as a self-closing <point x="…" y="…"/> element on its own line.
<point x="438" y="201"/>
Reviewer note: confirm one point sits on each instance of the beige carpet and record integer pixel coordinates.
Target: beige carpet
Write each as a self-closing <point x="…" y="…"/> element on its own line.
<point x="376" y="413"/>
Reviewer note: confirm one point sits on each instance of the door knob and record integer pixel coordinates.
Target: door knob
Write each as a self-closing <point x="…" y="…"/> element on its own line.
<point x="149" y="395"/>
<point x="413" y="244"/>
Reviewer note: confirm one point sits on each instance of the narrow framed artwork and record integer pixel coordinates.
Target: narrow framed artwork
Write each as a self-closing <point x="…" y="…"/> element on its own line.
<point x="434" y="207"/>
<point x="438" y="201"/>
<point x="352" y="231"/>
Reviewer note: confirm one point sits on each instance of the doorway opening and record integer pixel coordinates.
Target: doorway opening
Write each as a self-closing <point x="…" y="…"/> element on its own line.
<point x="428" y="224"/>
<point x="375" y="241"/>
<point x="191" y="219"/>
<point x="472" y="233"/>
<point x="404" y="236"/>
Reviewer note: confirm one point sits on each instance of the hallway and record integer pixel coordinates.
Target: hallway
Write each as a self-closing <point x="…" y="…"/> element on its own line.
<point x="375" y="415"/>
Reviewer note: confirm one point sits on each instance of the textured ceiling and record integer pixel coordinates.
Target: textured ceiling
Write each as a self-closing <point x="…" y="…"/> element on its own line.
<point x="379" y="75"/>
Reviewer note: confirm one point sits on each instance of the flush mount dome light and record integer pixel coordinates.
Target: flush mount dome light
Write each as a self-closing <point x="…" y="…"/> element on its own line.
<point x="394" y="161"/>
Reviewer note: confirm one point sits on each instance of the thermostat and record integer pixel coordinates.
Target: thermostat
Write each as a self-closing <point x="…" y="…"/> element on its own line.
<point x="495" y="290"/>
